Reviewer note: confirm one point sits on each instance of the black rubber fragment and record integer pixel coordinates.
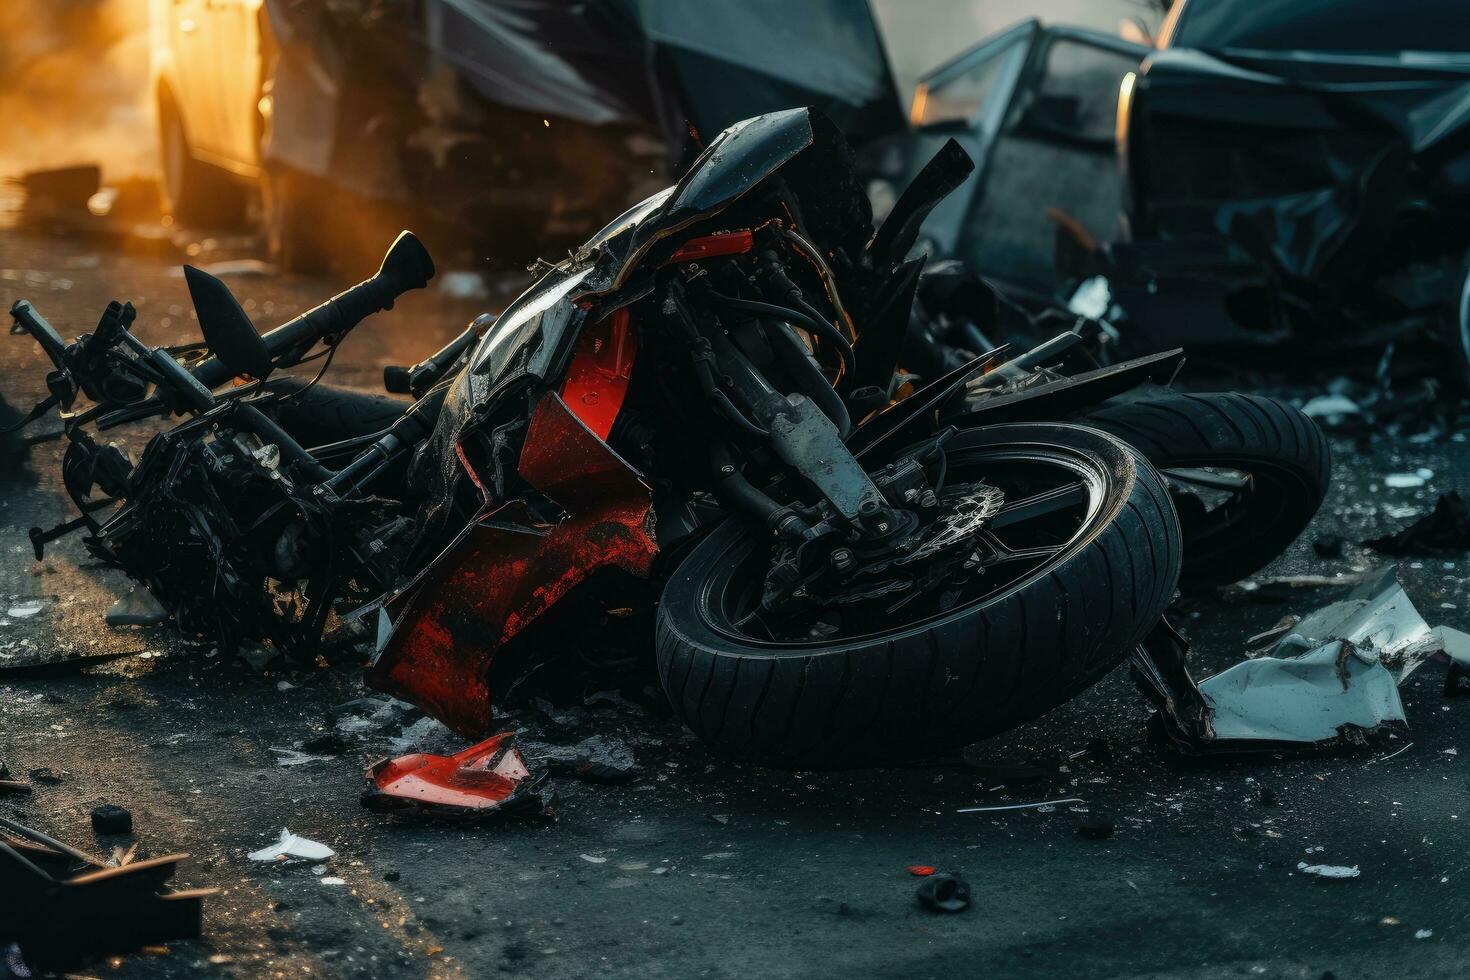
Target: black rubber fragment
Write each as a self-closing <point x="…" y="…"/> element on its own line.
<point x="944" y="893"/>
<point x="110" y="819"/>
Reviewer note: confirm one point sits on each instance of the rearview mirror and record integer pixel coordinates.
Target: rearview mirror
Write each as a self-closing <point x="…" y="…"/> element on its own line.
<point x="227" y="329"/>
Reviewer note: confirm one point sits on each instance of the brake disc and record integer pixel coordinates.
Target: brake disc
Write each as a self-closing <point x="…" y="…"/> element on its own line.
<point x="945" y="544"/>
<point x="966" y="512"/>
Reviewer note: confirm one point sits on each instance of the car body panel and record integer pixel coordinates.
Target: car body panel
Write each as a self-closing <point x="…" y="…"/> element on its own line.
<point x="206" y="63"/>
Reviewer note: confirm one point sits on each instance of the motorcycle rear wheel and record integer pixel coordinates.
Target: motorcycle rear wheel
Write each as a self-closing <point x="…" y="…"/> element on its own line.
<point x="1041" y="632"/>
<point x="1247" y="474"/>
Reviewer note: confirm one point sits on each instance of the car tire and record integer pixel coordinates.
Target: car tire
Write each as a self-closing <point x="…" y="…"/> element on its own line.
<point x="194" y="193"/>
<point x="945" y="681"/>
<point x="297" y="213"/>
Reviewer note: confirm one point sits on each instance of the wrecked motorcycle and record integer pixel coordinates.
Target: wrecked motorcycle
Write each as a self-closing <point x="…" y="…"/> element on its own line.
<point x="701" y="412"/>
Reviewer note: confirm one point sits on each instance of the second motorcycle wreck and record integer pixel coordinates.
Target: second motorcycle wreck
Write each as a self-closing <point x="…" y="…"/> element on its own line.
<point x="700" y="436"/>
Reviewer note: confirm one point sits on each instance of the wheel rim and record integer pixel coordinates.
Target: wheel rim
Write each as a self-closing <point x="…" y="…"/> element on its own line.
<point x="1217" y="502"/>
<point x="1054" y="502"/>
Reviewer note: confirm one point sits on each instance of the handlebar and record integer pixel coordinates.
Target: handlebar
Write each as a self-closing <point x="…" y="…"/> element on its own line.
<point x="406" y="266"/>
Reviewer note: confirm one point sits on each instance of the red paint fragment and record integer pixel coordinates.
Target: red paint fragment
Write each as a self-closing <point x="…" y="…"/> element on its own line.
<point x="921" y="870"/>
<point x="491" y="777"/>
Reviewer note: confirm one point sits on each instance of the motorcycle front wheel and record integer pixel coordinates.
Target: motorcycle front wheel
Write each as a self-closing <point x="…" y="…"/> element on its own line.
<point x="1077" y="564"/>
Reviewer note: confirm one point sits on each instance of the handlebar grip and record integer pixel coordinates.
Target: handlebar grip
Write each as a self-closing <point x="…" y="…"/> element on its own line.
<point x="33" y="323"/>
<point x="406" y="266"/>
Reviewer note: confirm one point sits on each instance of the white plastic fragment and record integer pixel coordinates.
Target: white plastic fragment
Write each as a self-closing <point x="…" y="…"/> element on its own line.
<point x="1328" y="870"/>
<point x="25" y="610"/>
<point x="1333" y="668"/>
<point x="1423" y="933"/>
<point x="291" y="846"/>
<point x="1406" y="481"/>
<point x="1092" y="299"/>
<point x="333" y="881"/>
<point x="592" y="859"/>
<point x="1330" y="407"/>
<point x="291" y="757"/>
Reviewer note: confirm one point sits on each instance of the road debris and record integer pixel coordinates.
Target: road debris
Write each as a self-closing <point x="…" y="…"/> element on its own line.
<point x="1335" y="871"/>
<point x="111" y="819"/>
<point x="484" y="780"/>
<point x="137" y="607"/>
<point x="50" y="887"/>
<point x="921" y="870"/>
<point x="944" y="893"/>
<point x="1444" y="531"/>
<point x="291" y="847"/>
<point x="1042" y="805"/>
<point x="596" y="759"/>
<point x="25" y="609"/>
<point x="1326" y="674"/>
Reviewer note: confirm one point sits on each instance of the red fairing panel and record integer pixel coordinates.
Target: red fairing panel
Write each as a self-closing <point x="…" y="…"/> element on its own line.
<point x="484" y="779"/>
<point x="602" y="364"/>
<point x="439" y="635"/>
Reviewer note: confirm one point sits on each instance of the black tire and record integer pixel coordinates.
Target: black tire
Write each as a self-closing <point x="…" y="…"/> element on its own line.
<point x="325" y="414"/>
<point x="975" y="671"/>
<point x="1283" y="452"/>
<point x="194" y="193"/>
<point x="298" y="220"/>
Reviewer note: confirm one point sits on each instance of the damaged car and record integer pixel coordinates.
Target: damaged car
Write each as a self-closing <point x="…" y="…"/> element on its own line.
<point x="696" y="427"/>
<point x="508" y="129"/>
<point x="1263" y="177"/>
<point x="1299" y="175"/>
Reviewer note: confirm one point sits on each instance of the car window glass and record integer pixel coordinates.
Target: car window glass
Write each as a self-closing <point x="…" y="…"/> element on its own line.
<point x="1078" y="93"/>
<point x="961" y="96"/>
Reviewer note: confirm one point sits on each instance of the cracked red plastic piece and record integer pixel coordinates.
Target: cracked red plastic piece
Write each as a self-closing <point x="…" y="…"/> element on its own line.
<point x="484" y="779"/>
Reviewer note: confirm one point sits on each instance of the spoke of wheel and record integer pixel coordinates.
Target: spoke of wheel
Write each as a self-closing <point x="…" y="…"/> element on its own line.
<point x="1002" y="552"/>
<point x="1040" y="505"/>
<point x="1209" y="479"/>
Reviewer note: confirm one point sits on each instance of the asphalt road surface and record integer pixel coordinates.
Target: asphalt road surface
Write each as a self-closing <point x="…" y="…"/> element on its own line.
<point x="701" y="868"/>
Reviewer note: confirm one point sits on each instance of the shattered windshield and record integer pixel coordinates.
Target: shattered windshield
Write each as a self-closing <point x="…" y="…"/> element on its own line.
<point x="1323" y="25"/>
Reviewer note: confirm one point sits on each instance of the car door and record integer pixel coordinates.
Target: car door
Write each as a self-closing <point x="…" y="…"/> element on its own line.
<point x="1052" y="166"/>
<point x="967" y="98"/>
<point x="234" y="29"/>
<point x="1035" y="108"/>
<point x="194" y="76"/>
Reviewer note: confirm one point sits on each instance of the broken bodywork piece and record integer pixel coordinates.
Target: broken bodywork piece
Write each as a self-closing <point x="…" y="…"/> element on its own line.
<point x="489" y="779"/>
<point x="1444" y="531"/>
<point x="64" y="907"/>
<point x="481" y="579"/>
<point x="1324" y="675"/>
